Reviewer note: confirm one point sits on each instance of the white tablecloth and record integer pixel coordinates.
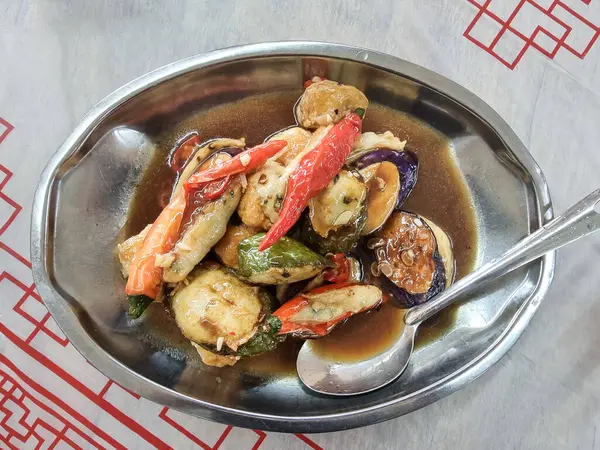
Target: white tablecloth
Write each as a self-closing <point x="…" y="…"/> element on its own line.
<point x="537" y="62"/>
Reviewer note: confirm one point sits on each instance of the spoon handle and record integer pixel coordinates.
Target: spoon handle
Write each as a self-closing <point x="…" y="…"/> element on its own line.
<point x="578" y="221"/>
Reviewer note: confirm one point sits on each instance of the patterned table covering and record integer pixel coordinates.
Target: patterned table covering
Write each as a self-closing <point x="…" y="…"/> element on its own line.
<point x="537" y="62"/>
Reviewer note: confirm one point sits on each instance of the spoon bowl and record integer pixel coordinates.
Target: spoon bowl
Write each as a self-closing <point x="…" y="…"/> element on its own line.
<point x="332" y="377"/>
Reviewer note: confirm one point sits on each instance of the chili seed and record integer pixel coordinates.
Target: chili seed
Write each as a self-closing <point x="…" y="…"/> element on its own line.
<point x="386" y="269"/>
<point x="375" y="269"/>
<point x="406" y="258"/>
<point x="245" y="159"/>
<point x="374" y="243"/>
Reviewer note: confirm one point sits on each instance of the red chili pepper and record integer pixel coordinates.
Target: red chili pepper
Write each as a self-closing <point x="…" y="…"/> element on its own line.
<point x="341" y="272"/>
<point x="307" y="83"/>
<point x="242" y="163"/>
<point x="216" y="188"/>
<point x="290" y="308"/>
<point x="212" y="190"/>
<point x="295" y="305"/>
<point x="314" y="172"/>
<point x="183" y="151"/>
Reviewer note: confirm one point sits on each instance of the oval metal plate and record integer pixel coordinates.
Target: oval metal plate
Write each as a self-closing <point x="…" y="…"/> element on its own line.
<point x="85" y="190"/>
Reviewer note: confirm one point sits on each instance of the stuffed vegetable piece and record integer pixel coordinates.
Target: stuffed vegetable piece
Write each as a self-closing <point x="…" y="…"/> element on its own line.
<point x="263" y="197"/>
<point x="383" y="185"/>
<point x="186" y="158"/>
<point x="326" y="102"/>
<point x="316" y="313"/>
<point x="262" y="200"/>
<point x="145" y="280"/>
<point x="415" y="255"/>
<point x="297" y="139"/>
<point x="227" y="248"/>
<point x="389" y="171"/>
<point x="224" y="315"/>
<point x="406" y="163"/>
<point x="127" y="249"/>
<point x="205" y="226"/>
<point x="339" y="205"/>
<point x="337" y="215"/>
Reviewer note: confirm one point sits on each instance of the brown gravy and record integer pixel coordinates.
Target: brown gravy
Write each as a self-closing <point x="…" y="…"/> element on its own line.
<point x="357" y="340"/>
<point x="440" y="195"/>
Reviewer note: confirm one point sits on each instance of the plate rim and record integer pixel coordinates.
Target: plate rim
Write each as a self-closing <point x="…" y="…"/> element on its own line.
<point x="107" y="364"/>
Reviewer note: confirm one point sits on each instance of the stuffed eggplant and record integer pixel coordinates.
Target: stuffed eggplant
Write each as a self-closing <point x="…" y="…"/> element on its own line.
<point x="405" y="161"/>
<point x="415" y="255"/>
<point x="224" y="315"/>
<point x="326" y="102"/>
<point x="337" y="216"/>
<point x="227" y="248"/>
<point x="206" y="225"/>
<point x="316" y="313"/>
<point x="201" y="154"/>
<point x="383" y="184"/>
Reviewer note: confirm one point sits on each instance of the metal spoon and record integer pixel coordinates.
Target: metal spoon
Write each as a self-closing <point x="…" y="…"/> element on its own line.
<point x="351" y="378"/>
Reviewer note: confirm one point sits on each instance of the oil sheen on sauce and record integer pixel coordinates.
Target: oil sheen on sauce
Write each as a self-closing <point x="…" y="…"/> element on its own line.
<point x="440" y="195"/>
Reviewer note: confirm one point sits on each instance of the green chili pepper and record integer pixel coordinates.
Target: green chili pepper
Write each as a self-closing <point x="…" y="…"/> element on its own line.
<point x="138" y="304"/>
<point x="286" y="261"/>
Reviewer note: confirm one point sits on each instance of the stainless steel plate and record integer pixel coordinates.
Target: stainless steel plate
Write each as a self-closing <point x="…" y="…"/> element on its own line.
<point x="84" y="192"/>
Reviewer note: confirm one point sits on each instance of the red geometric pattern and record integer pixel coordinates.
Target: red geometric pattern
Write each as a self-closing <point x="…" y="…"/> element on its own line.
<point x="111" y="383"/>
<point x="32" y="416"/>
<point x="164" y="415"/>
<point x="31" y="298"/>
<point x="503" y="28"/>
<point x="10" y="209"/>
<point x="5" y="129"/>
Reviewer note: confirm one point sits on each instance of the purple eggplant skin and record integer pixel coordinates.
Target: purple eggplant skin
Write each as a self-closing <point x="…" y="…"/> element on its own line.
<point x="407" y="163"/>
<point x="232" y="151"/>
<point x="438" y="282"/>
<point x="408" y="300"/>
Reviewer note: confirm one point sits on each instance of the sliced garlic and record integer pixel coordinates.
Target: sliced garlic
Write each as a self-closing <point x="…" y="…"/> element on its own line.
<point x="164" y="260"/>
<point x="343" y="218"/>
<point x="245" y="159"/>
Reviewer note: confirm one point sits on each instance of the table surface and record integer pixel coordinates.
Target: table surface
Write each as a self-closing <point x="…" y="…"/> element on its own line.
<point x="534" y="61"/>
